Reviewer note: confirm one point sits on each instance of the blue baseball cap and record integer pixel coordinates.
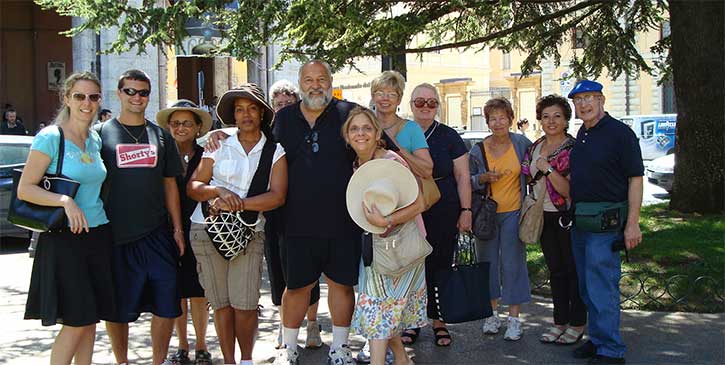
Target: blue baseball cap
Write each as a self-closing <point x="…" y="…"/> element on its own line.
<point x="584" y="86"/>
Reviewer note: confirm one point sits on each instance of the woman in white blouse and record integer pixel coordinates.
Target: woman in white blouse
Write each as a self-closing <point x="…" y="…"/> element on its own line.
<point x="223" y="178"/>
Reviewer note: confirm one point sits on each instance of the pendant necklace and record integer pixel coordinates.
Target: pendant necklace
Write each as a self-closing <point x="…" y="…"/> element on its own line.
<point x="135" y="139"/>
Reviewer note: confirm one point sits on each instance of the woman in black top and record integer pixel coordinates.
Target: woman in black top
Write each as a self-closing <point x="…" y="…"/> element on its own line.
<point x="186" y="122"/>
<point x="452" y="213"/>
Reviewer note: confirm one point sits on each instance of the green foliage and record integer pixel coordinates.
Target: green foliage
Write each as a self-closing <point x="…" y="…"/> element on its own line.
<point x="341" y="30"/>
<point x="677" y="248"/>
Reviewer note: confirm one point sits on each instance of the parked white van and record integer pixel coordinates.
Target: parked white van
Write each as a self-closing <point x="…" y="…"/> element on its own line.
<point x="656" y="133"/>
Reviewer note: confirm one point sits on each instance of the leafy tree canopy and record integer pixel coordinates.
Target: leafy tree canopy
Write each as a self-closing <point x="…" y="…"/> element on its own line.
<point x="341" y="30"/>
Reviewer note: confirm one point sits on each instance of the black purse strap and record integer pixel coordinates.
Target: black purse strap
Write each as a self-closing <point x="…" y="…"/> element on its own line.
<point x="260" y="179"/>
<point x="61" y="153"/>
<point x="485" y="165"/>
<point x="259" y="183"/>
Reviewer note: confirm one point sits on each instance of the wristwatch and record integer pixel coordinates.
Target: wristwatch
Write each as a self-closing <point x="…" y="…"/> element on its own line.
<point x="549" y="171"/>
<point x="465" y="209"/>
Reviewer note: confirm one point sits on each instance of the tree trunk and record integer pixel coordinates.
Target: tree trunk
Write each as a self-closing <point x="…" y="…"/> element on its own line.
<point x="697" y="64"/>
<point x="396" y="61"/>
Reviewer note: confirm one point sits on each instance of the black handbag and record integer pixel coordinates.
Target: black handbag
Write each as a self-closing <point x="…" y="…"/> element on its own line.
<point x="230" y="232"/>
<point x="484" y="208"/>
<point x="462" y="290"/>
<point x="41" y="218"/>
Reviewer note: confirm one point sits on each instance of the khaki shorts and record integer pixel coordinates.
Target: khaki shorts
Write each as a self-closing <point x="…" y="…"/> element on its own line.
<point x="234" y="283"/>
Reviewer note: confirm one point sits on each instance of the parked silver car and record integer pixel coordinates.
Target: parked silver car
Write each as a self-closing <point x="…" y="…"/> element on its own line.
<point x="661" y="172"/>
<point x="14" y="152"/>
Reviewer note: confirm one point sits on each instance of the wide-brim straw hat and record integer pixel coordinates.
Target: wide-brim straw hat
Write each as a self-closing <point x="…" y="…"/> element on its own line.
<point x="162" y="117"/>
<point x="225" y="107"/>
<point x="385" y="183"/>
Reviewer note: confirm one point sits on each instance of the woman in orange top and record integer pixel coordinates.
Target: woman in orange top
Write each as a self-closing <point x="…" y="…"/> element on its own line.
<point x="509" y="280"/>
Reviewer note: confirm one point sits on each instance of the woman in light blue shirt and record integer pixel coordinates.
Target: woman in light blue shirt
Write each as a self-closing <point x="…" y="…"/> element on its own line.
<point x="409" y="142"/>
<point x="71" y="280"/>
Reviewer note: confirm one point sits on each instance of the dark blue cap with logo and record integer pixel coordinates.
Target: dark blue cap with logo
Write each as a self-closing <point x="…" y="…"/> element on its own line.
<point x="585" y="86"/>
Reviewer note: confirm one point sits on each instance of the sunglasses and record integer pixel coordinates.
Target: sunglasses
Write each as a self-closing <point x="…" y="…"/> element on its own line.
<point x="131" y="92"/>
<point x="185" y="123"/>
<point x="81" y="97"/>
<point x="420" y="102"/>
<point x="311" y="139"/>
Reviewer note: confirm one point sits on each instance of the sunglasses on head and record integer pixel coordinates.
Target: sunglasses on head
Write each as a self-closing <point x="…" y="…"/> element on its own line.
<point x="420" y="102"/>
<point x="131" y="92"/>
<point x="81" y="96"/>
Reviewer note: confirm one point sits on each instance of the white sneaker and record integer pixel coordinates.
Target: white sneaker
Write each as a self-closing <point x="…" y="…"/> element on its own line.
<point x="280" y="339"/>
<point x="286" y="356"/>
<point x="341" y="356"/>
<point x="491" y="325"/>
<point x="513" y="330"/>
<point x="314" y="340"/>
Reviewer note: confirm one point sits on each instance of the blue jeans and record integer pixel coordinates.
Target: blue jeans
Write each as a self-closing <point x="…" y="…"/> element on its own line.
<point x="599" y="272"/>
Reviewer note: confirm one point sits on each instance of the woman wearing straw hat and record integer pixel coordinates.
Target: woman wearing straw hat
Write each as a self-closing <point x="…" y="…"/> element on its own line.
<point x="386" y="305"/>
<point x="228" y="179"/>
<point x="185" y="121"/>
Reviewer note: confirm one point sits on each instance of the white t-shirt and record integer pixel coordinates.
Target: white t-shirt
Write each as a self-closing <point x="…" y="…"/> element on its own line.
<point x="234" y="170"/>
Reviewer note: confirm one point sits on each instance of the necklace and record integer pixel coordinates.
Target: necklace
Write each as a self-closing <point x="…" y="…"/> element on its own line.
<point x="135" y="139"/>
<point x="393" y="125"/>
<point x="435" y="125"/>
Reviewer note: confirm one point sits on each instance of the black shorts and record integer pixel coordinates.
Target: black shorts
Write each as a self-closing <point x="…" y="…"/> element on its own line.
<point x="71" y="282"/>
<point x="305" y="259"/>
<point x="145" y="275"/>
<point x="275" y="269"/>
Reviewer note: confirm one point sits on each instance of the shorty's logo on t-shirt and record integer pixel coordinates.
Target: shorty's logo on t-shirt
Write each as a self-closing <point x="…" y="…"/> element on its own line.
<point x="136" y="155"/>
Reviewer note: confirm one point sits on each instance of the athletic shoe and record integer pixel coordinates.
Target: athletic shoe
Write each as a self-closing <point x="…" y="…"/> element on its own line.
<point x="341" y="356"/>
<point x="513" y="330"/>
<point x="491" y="325"/>
<point x="287" y="356"/>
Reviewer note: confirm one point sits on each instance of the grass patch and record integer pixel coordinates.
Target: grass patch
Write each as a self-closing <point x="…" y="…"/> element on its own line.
<point x="679" y="266"/>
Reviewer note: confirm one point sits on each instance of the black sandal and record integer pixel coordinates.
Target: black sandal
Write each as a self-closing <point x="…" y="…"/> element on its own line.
<point x="411" y="334"/>
<point x="438" y="338"/>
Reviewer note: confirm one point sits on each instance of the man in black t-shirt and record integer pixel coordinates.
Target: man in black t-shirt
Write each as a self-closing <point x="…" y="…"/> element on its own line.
<point x="141" y="198"/>
<point x="318" y="235"/>
<point x="606" y="170"/>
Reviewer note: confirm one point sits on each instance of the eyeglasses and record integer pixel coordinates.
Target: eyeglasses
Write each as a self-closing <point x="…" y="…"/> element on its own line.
<point x="81" y="97"/>
<point x="383" y="94"/>
<point x="178" y="123"/>
<point x="585" y="99"/>
<point x="282" y="104"/>
<point x="311" y="139"/>
<point x="420" y="102"/>
<point x="131" y="92"/>
<point x="364" y="129"/>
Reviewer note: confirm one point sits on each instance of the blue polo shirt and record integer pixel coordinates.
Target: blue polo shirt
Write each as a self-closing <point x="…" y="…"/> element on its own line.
<point x="603" y="159"/>
<point x="319" y="166"/>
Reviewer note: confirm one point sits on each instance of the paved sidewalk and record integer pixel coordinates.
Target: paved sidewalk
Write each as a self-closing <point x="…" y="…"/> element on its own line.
<point x="652" y="337"/>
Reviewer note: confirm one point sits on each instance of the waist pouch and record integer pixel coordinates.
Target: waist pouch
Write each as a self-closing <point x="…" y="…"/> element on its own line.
<point x="598" y="217"/>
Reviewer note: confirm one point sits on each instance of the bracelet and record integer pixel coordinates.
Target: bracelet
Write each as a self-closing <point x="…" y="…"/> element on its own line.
<point x="549" y="171"/>
<point x="389" y="220"/>
<point x="178" y="231"/>
<point x="242" y="206"/>
<point x="466" y="210"/>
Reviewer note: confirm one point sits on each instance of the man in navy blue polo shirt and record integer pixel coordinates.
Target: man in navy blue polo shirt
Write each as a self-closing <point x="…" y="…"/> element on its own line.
<point x="319" y="235"/>
<point x="606" y="167"/>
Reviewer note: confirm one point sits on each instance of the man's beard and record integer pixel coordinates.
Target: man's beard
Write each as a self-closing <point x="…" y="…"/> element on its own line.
<point x="317" y="102"/>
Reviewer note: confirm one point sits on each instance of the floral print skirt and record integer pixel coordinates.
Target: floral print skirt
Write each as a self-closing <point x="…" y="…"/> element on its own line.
<point x="388" y="305"/>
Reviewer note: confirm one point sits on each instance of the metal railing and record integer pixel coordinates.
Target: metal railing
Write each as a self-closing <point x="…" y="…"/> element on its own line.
<point x="646" y="290"/>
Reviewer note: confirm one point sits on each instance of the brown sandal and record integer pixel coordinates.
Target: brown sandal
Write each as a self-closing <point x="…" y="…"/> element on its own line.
<point x="551" y="335"/>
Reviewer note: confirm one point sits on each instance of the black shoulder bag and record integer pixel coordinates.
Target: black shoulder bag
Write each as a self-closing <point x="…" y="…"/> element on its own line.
<point x="484" y="208"/>
<point x="231" y="232"/>
<point x="41" y="218"/>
